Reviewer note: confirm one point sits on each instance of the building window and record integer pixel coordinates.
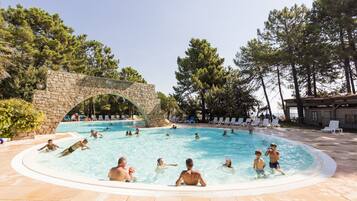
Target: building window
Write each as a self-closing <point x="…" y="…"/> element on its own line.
<point x="314" y="115"/>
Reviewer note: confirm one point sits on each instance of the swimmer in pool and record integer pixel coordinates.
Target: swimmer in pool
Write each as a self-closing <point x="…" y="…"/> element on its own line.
<point x="197" y="137"/>
<point x="189" y="176"/>
<point x="259" y="164"/>
<point x="50" y="146"/>
<point x="228" y="163"/>
<point x="162" y="165"/>
<point x="225" y="133"/>
<point x="120" y="172"/>
<point x="137" y="131"/>
<point x="95" y="134"/>
<point x="80" y="144"/>
<point x="274" y="157"/>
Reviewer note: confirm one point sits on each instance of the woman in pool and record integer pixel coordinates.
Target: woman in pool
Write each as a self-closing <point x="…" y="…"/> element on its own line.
<point x="162" y="165"/>
<point x="80" y="144"/>
<point x="227" y="166"/>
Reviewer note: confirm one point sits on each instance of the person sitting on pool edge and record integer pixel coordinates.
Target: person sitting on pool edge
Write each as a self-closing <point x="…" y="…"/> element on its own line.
<point x="189" y="176"/>
<point x="161" y="164"/>
<point x="274" y="156"/>
<point x="197" y="137"/>
<point x="50" y="146"/>
<point x="95" y="134"/>
<point x="259" y="164"/>
<point x="120" y="172"/>
<point x="80" y="144"/>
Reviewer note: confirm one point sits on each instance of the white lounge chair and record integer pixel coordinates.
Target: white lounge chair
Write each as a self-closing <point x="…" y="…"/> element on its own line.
<point x="332" y="127"/>
<point x="275" y="123"/>
<point x="233" y="121"/>
<point x="214" y="121"/>
<point x="106" y="118"/>
<point x="220" y="121"/>
<point x="100" y="118"/>
<point x="239" y="122"/>
<point x="256" y="122"/>
<point x="266" y="122"/>
<point x="93" y="117"/>
<point x="247" y="121"/>
<point x="226" y="121"/>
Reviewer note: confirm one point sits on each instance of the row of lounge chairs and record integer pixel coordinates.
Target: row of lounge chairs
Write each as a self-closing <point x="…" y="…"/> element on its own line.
<point x="105" y="118"/>
<point x="241" y="122"/>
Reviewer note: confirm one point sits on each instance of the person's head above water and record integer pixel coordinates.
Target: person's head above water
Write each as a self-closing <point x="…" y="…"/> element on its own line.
<point x="85" y="141"/>
<point x="228" y="163"/>
<point x="273" y="145"/>
<point x="258" y="153"/>
<point x="189" y="163"/>
<point x="50" y="141"/>
<point x="122" y="162"/>
<point x="160" y="161"/>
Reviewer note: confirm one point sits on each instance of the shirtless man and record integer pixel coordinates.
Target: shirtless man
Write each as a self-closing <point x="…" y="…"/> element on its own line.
<point x="274" y="158"/>
<point x="259" y="164"/>
<point x="120" y="172"/>
<point x="189" y="176"/>
<point x="80" y="144"/>
<point x="95" y="134"/>
<point x="197" y="137"/>
<point x="49" y="146"/>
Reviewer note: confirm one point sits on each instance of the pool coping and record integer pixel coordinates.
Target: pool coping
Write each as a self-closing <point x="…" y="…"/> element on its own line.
<point x="326" y="167"/>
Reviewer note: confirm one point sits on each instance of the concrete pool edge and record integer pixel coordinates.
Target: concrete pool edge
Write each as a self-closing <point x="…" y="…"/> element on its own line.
<point x="326" y="169"/>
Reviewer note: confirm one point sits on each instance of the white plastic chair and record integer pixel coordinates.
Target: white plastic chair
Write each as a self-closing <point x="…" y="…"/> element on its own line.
<point x="275" y="123"/>
<point x="93" y="117"/>
<point x="332" y="127"/>
<point x="214" y="121"/>
<point x="226" y="121"/>
<point x="220" y="121"/>
<point x="256" y="122"/>
<point x="266" y="122"/>
<point x="233" y="121"/>
<point x="239" y="122"/>
<point x="247" y="121"/>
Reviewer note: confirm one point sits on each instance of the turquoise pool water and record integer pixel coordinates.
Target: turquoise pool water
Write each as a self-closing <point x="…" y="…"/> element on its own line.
<point x="142" y="152"/>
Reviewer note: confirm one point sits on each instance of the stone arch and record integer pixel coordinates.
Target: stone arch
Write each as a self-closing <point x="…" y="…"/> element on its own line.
<point x="65" y="90"/>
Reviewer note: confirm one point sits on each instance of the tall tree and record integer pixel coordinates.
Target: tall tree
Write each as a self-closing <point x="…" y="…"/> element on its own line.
<point x="285" y="29"/>
<point x="199" y="71"/>
<point x="254" y="63"/>
<point x="130" y="74"/>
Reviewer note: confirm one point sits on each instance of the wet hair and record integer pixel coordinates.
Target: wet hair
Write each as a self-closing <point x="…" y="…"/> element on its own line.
<point x="258" y="152"/>
<point x="229" y="163"/>
<point x="121" y="159"/>
<point x="189" y="162"/>
<point x="196" y="133"/>
<point x="158" y="160"/>
<point x="85" y="140"/>
<point x="50" y="140"/>
<point x="273" y="145"/>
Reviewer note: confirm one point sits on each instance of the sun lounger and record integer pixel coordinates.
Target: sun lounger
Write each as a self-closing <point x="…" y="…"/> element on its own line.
<point x="332" y="127"/>
<point x="106" y="118"/>
<point x="214" y="121"/>
<point x="247" y="121"/>
<point x="220" y="121"/>
<point x="275" y="123"/>
<point x="266" y="122"/>
<point x="93" y="117"/>
<point x="256" y="122"/>
<point x="226" y="121"/>
<point x="233" y="120"/>
<point x="100" y="117"/>
<point x="239" y="122"/>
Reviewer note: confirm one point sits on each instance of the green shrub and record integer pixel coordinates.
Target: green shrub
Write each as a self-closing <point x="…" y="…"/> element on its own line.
<point x="17" y="115"/>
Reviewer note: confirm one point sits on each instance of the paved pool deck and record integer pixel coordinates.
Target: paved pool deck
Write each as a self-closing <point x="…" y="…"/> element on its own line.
<point x="341" y="187"/>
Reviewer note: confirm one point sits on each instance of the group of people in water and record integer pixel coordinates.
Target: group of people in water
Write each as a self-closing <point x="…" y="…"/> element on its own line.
<point x="187" y="177"/>
<point x="129" y="133"/>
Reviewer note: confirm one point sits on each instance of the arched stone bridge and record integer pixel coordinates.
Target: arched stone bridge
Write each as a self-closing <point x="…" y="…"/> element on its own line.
<point x="65" y="90"/>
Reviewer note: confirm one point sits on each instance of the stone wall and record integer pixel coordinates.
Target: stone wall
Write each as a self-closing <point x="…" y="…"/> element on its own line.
<point x="64" y="91"/>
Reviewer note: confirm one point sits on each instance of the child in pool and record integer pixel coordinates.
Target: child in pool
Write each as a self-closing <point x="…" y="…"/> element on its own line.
<point x="259" y="164"/>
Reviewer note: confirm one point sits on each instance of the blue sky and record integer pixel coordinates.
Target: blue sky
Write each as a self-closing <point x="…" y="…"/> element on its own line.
<point x="150" y="35"/>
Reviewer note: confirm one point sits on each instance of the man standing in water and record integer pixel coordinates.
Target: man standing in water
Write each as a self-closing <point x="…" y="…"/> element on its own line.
<point x="120" y="172"/>
<point x="189" y="176"/>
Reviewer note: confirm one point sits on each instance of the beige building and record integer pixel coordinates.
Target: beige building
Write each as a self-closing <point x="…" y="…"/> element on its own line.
<point x="320" y="110"/>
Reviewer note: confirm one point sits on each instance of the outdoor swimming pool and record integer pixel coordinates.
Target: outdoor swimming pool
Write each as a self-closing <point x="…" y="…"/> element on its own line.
<point x="142" y="152"/>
